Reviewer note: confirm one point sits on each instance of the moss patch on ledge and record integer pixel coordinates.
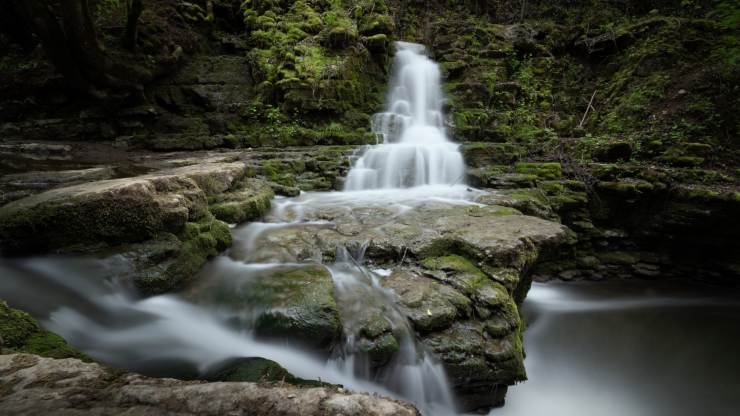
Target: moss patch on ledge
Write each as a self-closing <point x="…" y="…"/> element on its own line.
<point x="20" y="333"/>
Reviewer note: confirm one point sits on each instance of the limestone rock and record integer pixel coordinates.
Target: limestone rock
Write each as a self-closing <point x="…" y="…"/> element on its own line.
<point x="249" y="201"/>
<point x="35" y="385"/>
<point x="429" y="230"/>
<point x="20" y="185"/>
<point x="114" y="211"/>
<point x="429" y="305"/>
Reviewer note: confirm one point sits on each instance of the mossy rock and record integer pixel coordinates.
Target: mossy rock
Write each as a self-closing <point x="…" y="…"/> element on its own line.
<point x="482" y="154"/>
<point x="530" y="201"/>
<point x="377" y="43"/>
<point x="546" y="170"/>
<point x="249" y="201"/>
<point x="429" y="305"/>
<point x="20" y="333"/>
<point x="116" y="211"/>
<point x="170" y="261"/>
<point x="682" y="161"/>
<point x="300" y="304"/>
<point x="287" y="303"/>
<point x="377" y="24"/>
<point x="462" y="274"/>
<point x="379" y="350"/>
<point x="499" y="177"/>
<point x="625" y="187"/>
<point x="256" y="370"/>
<point x="472" y="356"/>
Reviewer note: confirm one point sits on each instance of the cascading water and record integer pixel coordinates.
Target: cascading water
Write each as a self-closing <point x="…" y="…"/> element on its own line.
<point x="199" y="330"/>
<point x="415" y="149"/>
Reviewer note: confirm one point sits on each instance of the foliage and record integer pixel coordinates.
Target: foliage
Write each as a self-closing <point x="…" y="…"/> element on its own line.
<point x="729" y="15"/>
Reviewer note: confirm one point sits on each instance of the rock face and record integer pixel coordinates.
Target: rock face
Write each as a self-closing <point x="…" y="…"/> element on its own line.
<point x="33" y="385"/>
<point x="458" y="272"/>
<point x="161" y="221"/>
<point x="469" y="321"/>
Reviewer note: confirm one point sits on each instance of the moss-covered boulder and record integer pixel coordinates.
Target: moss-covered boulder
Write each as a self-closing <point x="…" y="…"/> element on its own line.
<point x="480" y="366"/>
<point x="169" y="261"/>
<point x="256" y="370"/>
<point x="116" y="211"/>
<point x="249" y="201"/>
<point x="19" y="332"/>
<point x="290" y="303"/>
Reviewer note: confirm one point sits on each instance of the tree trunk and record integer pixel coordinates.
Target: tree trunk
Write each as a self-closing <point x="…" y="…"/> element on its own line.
<point x="54" y="42"/>
<point x="131" y="36"/>
<point x="83" y="42"/>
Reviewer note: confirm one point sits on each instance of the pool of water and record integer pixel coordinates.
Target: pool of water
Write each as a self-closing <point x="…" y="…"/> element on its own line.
<point x="629" y="348"/>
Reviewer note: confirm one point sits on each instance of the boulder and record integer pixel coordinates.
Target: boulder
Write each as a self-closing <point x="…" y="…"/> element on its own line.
<point x="249" y="201"/>
<point x="294" y="303"/>
<point x="256" y="370"/>
<point x="115" y="211"/>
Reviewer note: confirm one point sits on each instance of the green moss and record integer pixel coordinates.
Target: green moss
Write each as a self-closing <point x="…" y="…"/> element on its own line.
<point x="258" y="370"/>
<point x="247" y="201"/>
<point x="196" y="243"/>
<point x="19" y="332"/>
<point x="682" y="161"/>
<point x="451" y="263"/>
<point x="548" y="170"/>
<point x="299" y="303"/>
<point x="308" y="57"/>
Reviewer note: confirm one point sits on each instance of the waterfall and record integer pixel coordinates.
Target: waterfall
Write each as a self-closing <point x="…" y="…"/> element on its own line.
<point x="415" y="150"/>
<point x="186" y="335"/>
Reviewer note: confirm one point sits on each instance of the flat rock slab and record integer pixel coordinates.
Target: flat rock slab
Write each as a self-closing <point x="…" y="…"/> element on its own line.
<point x="35" y="385"/>
<point x="116" y="210"/>
<point x="494" y="235"/>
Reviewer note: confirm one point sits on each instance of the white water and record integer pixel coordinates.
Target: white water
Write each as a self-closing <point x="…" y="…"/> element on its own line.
<point x="415" y="149"/>
<point x="162" y="334"/>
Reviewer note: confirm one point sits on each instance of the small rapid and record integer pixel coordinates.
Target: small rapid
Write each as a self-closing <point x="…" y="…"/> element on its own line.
<point x="415" y="150"/>
<point x="192" y="334"/>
